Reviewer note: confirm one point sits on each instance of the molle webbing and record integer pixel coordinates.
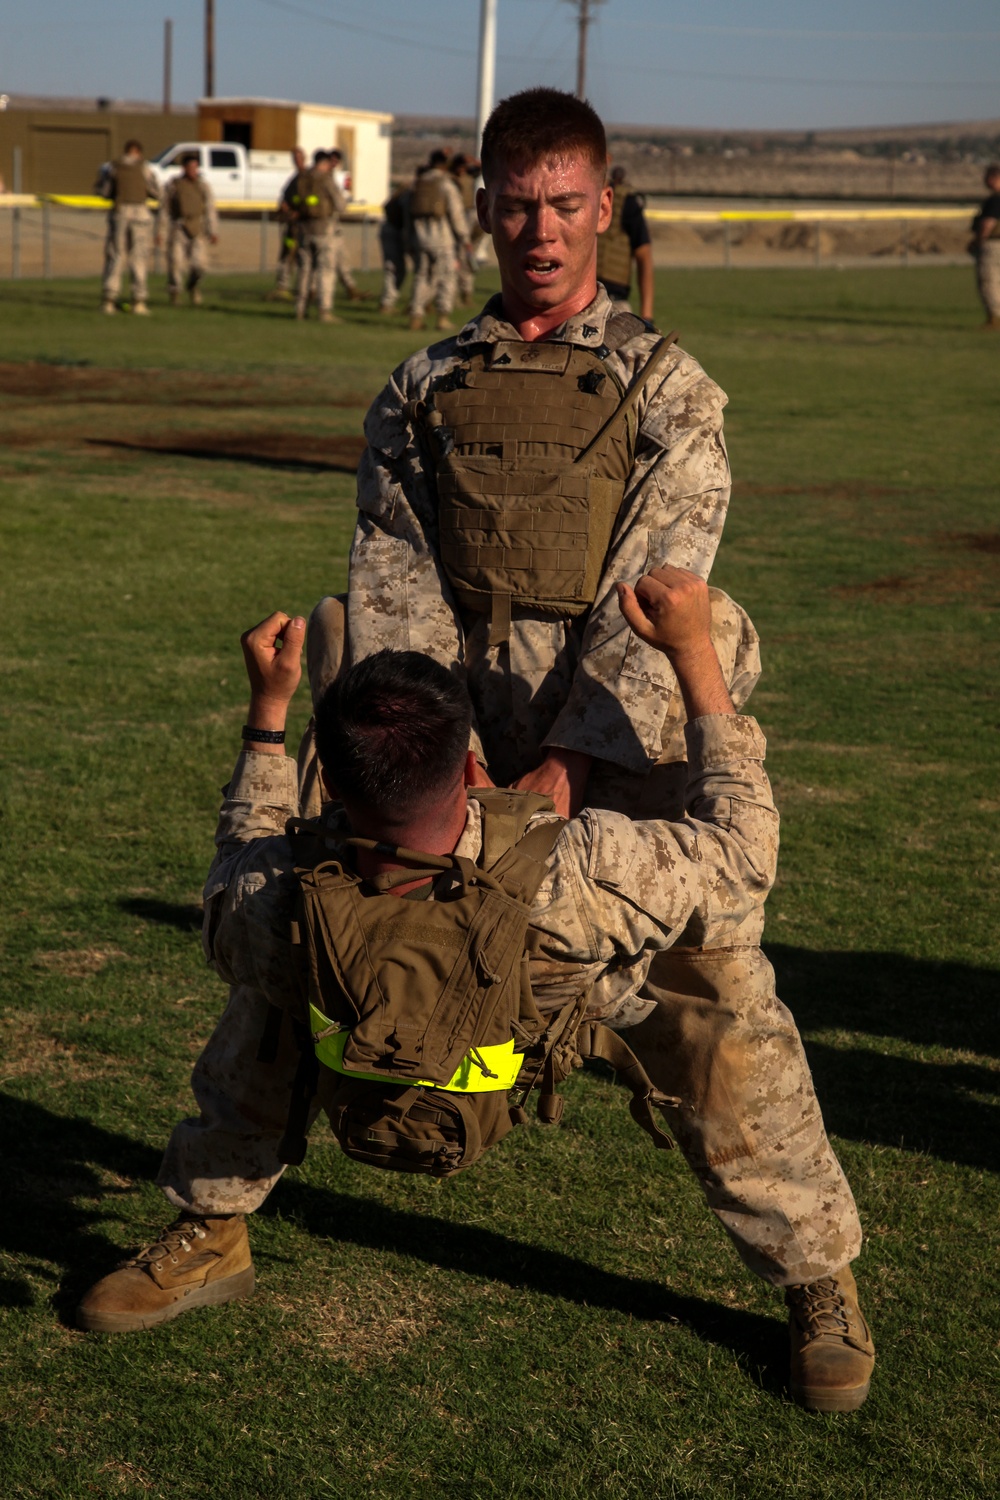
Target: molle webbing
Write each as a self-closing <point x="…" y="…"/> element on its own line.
<point x="534" y="444"/>
<point x="429" y="200"/>
<point x="130" y="183"/>
<point x="189" y="205"/>
<point x="614" y="248"/>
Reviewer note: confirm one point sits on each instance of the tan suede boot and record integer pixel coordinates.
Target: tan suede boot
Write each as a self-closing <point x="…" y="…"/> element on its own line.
<point x="832" y="1350"/>
<point x="194" y="1263"/>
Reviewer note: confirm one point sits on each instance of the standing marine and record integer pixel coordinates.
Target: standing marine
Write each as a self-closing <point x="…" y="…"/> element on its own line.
<point x="189" y="204"/>
<point x="514" y="473"/>
<point x="985" y="246"/>
<point x="625" y="240"/>
<point x="131" y="185"/>
<point x="320" y="205"/>
<point x="440" y="230"/>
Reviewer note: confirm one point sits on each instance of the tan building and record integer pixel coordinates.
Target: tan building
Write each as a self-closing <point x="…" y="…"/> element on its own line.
<point x="63" y="143"/>
<point x="364" y="136"/>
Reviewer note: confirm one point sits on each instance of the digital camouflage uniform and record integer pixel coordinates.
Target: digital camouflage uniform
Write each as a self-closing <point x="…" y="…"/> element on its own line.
<point x="190" y="210"/>
<point x="129" y="184"/>
<point x="614" y="894"/>
<point x="323" y="203"/>
<point x="589" y="685"/>
<point x="435" y="237"/>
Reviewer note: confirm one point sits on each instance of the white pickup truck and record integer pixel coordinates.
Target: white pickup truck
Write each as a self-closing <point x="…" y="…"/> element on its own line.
<point x="233" y="172"/>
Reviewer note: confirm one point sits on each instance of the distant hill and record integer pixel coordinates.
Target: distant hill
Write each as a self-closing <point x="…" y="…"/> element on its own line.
<point x="931" y="162"/>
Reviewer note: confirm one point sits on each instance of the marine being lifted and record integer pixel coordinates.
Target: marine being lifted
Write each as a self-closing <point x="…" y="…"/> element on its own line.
<point x="514" y="474"/>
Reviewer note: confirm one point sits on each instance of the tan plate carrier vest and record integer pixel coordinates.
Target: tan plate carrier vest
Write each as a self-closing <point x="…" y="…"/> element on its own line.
<point x="130" y="187"/>
<point x="188" y="205"/>
<point x="423" y="1009"/>
<point x="429" y="200"/>
<point x="614" y="248"/>
<point x="533" y="446"/>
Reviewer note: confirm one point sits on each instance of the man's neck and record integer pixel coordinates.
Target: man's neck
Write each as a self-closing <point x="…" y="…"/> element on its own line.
<point x="532" y="324"/>
<point x="436" y="831"/>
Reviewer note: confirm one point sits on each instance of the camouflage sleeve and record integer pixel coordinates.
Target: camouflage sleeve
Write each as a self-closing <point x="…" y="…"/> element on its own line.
<point x="674" y="511"/>
<point x="152" y="185"/>
<point x="617" y="890"/>
<point x="457" y="217"/>
<point x="250" y="888"/>
<point x="211" y="213"/>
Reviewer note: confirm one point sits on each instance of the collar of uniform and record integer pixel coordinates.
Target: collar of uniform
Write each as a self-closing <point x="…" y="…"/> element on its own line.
<point x="337" y="829"/>
<point x="585" y="328"/>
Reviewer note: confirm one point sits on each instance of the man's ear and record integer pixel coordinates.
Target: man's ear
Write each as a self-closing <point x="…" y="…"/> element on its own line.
<point x="605" y="210"/>
<point x="470" y="773"/>
<point x="483" y="210"/>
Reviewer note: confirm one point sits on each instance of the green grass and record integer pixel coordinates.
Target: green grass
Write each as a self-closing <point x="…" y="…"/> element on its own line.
<point x="566" y="1320"/>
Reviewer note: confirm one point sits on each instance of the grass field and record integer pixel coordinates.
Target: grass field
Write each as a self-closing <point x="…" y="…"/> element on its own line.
<point x="566" y="1320"/>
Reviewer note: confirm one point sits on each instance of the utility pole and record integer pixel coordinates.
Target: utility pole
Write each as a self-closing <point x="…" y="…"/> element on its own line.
<point x="168" y="64"/>
<point x="584" y="16"/>
<point x="486" y="83"/>
<point x="209" y="49"/>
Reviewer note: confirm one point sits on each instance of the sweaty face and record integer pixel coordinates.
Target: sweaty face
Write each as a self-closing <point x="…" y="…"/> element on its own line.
<point x="544" y="220"/>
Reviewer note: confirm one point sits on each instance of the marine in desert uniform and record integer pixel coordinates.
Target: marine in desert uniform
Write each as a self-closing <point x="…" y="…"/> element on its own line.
<point x="626" y="241"/>
<point x="189" y="205"/>
<point x="131" y="185"/>
<point x="513" y="474"/>
<point x="440" y="231"/>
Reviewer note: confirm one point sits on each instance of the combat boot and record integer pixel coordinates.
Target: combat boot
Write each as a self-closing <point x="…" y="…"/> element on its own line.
<point x="195" y="1263"/>
<point x="195" y="297"/>
<point x="416" y="324"/>
<point x="109" y="308"/>
<point x="328" y="317"/>
<point x="444" y="324"/>
<point x="832" y="1350"/>
<point x="141" y="310"/>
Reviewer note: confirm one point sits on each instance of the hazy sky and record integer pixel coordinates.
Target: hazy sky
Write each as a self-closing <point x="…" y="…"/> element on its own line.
<point x="792" y="63"/>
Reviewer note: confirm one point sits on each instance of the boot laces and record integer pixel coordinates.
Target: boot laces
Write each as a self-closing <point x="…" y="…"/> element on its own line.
<point x="177" y="1237"/>
<point x="821" y="1308"/>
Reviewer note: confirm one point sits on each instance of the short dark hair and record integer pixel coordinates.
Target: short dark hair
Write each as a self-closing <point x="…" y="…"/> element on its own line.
<point x="437" y="158"/>
<point x="132" y="145"/>
<point x="541" y="122"/>
<point x="320" y="156"/>
<point x="993" y="170"/>
<point x="393" y="731"/>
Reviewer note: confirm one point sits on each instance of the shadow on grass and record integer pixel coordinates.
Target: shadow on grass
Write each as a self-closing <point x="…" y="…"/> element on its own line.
<point x="228" y="451"/>
<point x="947" y="1109"/>
<point x="72" y="1157"/>
<point x="52" y="1161"/>
<point x="167" y="913"/>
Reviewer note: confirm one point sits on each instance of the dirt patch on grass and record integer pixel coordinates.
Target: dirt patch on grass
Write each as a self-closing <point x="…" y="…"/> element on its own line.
<point x="942" y="586"/>
<point x="849" y="489"/>
<point x="976" y="541"/>
<point x="76" y="963"/>
<point x="270" y="450"/>
<point x="30" y="1049"/>
<point x="35" y="380"/>
<point x="363" y="1323"/>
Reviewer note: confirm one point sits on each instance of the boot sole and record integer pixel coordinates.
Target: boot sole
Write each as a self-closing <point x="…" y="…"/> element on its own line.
<point x="213" y="1294"/>
<point x="826" y="1400"/>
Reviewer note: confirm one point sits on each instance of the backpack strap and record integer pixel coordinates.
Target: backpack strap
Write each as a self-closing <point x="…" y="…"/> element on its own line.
<point x="597" y="1040"/>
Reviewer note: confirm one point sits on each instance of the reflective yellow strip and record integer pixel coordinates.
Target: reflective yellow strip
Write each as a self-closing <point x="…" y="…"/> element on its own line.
<point x="501" y="1059"/>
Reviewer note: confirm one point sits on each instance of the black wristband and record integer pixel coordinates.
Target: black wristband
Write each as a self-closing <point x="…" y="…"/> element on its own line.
<point x="264" y="736"/>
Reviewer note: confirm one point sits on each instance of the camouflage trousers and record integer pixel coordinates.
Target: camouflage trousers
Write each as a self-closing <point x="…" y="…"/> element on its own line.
<point x="317" y="267"/>
<point x="288" y="257"/>
<point x="128" y="242"/>
<point x="393" y="265"/>
<point x="434" y="280"/>
<point x="988" y="277"/>
<point x="716" y="1036"/>
<point x="342" y="265"/>
<point x="187" y="259"/>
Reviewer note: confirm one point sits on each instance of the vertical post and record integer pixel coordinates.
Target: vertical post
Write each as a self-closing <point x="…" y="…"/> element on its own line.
<point x="584" y="16"/>
<point x="15" y="227"/>
<point x="364" y="242"/>
<point x="818" y="248"/>
<point x="727" y="248"/>
<point x="209" y="49"/>
<point x="264" y="216"/>
<point x="486" y="81"/>
<point x="904" y="242"/>
<point x="168" y="65"/>
<point x="46" y="241"/>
